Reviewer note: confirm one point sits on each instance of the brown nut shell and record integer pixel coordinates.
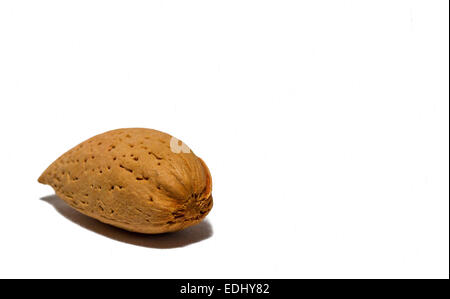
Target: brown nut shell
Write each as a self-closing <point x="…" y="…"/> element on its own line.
<point x="141" y="180"/>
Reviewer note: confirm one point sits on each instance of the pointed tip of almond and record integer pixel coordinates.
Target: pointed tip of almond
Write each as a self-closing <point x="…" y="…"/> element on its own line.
<point x="43" y="178"/>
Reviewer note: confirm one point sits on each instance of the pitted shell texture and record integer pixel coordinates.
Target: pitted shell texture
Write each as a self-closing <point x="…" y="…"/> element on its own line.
<point x="138" y="179"/>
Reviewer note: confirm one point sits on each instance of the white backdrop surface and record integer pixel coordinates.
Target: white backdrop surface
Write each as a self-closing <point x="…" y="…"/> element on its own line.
<point x="324" y="124"/>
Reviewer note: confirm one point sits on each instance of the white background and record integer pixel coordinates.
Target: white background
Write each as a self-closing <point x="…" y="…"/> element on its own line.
<point x="324" y="124"/>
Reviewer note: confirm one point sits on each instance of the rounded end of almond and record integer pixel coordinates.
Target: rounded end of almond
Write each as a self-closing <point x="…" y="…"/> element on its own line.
<point x="208" y="188"/>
